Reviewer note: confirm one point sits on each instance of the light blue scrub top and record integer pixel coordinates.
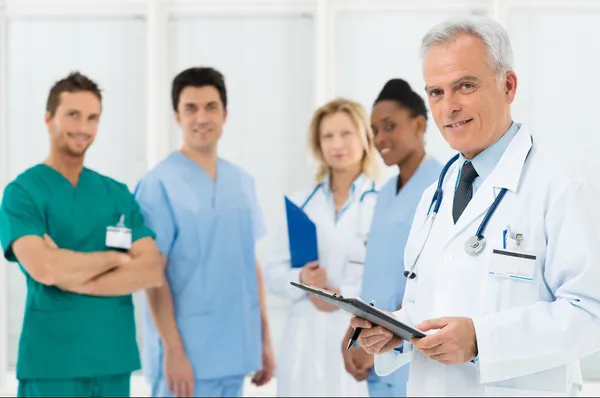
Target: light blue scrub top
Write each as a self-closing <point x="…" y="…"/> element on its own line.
<point x="208" y="230"/>
<point x="383" y="279"/>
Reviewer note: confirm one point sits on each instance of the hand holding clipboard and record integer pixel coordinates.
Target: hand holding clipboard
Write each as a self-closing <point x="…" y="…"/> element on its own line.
<point x="356" y="333"/>
<point x="378" y="339"/>
<point x="390" y="332"/>
<point x="367" y="315"/>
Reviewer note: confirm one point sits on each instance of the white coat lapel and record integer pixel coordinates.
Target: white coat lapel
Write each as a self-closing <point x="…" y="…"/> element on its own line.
<point x="324" y="214"/>
<point x="357" y="214"/>
<point x="506" y="174"/>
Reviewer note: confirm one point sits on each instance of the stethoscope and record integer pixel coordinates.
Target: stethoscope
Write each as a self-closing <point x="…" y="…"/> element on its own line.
<point x="361" y="199"/>
<point x="475" y="244"/>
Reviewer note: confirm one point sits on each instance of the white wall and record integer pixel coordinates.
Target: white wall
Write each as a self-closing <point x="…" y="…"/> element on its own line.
<point x="281" y="59"/>
<point x="557" y="57"/>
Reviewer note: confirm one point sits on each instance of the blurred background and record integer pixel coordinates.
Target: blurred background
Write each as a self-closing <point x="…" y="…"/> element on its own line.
<point x="281" y="59"/>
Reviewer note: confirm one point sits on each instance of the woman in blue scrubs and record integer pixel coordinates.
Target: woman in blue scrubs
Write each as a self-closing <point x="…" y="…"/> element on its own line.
<point x="399" y="120"/>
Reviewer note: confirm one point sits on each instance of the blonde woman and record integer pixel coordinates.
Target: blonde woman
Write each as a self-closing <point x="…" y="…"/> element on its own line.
<point x="341" y="205"/>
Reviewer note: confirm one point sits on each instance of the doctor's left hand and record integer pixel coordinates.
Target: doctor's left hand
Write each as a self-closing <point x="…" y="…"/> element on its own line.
<point x="454" y="342"/>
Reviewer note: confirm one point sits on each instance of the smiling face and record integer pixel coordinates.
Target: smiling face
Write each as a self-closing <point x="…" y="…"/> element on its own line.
<point x="200" y="115"/>
<point x="340" y="142"/>
<point x="469" y="105"/>
<point x="397" y="133"/>
<point x="74" y="124"/>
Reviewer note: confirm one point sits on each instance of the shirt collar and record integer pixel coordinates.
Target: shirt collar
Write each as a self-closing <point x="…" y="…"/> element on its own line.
<point x="486" y="161"/>
<point x="358" y="182"/>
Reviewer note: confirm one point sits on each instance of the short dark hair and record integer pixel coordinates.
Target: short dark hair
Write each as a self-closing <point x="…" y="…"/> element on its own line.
<point x="198" y="77"/>
<point x="399" y="91"/>
<point x="74" y="82"/>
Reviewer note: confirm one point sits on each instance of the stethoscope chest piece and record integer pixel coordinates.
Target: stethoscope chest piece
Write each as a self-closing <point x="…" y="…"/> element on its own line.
<point x="475" y="245"/>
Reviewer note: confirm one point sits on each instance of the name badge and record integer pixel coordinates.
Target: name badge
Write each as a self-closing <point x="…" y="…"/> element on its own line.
<point x="512" y="264"/>
<point x="119" y="236"/>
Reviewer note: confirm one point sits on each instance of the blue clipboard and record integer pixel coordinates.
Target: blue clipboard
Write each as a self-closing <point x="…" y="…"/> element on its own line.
<point x="302" y="235"/>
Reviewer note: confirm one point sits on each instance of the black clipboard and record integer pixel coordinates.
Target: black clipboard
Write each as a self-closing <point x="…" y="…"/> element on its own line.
<point x="357" y="307"/>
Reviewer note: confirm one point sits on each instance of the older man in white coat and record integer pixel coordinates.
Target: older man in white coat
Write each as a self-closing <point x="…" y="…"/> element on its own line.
<point x="505" y="282"/>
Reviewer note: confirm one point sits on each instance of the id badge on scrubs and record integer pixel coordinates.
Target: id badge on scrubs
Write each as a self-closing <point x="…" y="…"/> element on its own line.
<point x="119" y="236"/>
<point x="512" y="264"/>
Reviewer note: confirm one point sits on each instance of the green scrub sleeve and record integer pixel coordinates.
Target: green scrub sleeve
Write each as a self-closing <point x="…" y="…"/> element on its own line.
<point x="19" y="216"/>
<point x="138" y="227"/>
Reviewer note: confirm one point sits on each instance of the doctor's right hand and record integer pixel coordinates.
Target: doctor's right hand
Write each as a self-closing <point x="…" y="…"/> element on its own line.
<point x="179" y="374"/>
<point x="313" y="275"/>
<point x="375" y="339"/>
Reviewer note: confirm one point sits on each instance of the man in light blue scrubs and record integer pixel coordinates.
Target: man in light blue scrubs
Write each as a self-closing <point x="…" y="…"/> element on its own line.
<point x="207" y="327"/>
<point x="399" y="119"/>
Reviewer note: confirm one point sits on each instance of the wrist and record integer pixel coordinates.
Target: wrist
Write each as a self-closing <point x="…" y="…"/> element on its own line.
<point x="173" y="347"/>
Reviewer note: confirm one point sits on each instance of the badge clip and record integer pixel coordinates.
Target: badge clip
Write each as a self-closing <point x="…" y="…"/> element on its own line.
<point x="519" y="238"/>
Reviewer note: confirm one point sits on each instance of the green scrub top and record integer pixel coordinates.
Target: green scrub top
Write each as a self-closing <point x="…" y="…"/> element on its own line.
<point x="64" y="334"/>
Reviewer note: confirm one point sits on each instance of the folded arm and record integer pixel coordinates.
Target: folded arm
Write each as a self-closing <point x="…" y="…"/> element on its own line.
<point x="60" y="267"/>
<point x="145" y="270"/>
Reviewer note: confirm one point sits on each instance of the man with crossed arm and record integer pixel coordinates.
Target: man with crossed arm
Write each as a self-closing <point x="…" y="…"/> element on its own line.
<point x="80" y="239"/>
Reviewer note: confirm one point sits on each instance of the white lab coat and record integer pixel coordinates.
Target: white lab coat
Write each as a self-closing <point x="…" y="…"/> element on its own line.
<point x="311" y="362"/>
<point x="530" y="334"/>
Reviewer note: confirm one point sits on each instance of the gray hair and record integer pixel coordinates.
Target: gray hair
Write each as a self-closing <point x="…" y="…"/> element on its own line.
<point x="493" y="35"/>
